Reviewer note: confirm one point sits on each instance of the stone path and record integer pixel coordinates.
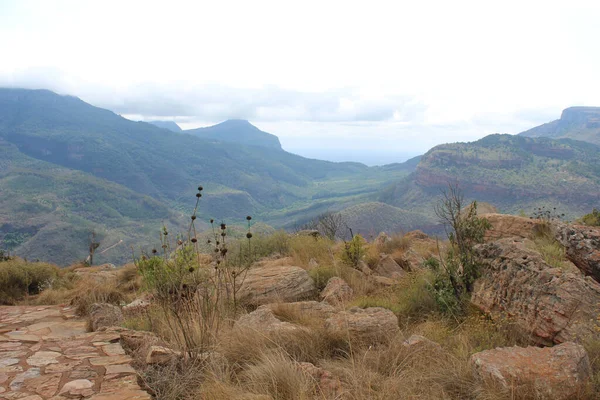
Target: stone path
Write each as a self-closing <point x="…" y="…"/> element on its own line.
<point x="47" y="353"/>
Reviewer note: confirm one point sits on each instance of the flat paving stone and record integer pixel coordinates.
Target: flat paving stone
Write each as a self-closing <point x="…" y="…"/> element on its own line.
<point x="46" y="353"/>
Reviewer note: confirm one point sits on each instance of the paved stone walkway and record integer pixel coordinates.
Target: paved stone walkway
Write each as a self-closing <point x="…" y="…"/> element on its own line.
<point x="46" y="353"/>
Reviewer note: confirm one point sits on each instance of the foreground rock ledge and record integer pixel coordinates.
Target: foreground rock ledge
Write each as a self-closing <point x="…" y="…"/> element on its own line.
<point x="549" y="306"/>
<point x="269" y="284"/>
<point x="559" y="372"/>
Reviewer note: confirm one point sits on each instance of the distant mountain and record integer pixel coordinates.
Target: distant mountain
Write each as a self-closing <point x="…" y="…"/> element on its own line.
<point x="170" y="125"/>
<point x="511" y="172"/>
<point x="579" y="123"/>
<point x="68" y="168"/>
<point x="237" y="131"/>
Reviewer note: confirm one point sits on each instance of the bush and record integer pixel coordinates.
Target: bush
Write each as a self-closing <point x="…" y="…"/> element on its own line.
<point x="591" y="219"/>
<point x="353" y="251"/>
<point x="19" y="278"/>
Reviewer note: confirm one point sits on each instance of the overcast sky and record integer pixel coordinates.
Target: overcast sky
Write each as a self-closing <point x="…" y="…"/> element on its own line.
<point x="372" y="81"/>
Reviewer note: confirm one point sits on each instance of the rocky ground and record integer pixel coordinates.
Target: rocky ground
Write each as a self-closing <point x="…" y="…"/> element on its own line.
<point x="47" y="353"/>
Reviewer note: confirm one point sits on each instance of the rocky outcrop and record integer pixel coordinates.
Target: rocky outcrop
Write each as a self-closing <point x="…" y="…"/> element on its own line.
<point x="159" y="355"/>
<point x="547" y="305"/>
<point x="267" y="318"/>
<point x="336" y="291"/>
<point x="369" y="326"/>
<point x="559" y="372"/>
<point x="582" y="244"/>
<point x="264" y="320"/>
<point x="138" y="306"/>
<point x="268" y="284"/>
<point x="506" y="226"/>
<point x="103" y="315"/>
<point x="389" y="268"/>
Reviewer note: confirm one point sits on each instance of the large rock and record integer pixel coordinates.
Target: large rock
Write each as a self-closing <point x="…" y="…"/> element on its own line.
<point x="559" y="372"/>
<point x="336" y="291"/>
<point x="582" y="244"/>
<point x="263" y="320"/>
<point x="507" y="226"/>
<point x="268" y="284"/>
<point x="389" y="268"/>
<point x="306" y="309"/>
<point x="546" y="304"/>
<point x="369" y="326"/>
<point x="103" y="315"/>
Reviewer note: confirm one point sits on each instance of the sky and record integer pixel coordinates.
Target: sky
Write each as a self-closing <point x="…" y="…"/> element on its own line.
<point x="370" y="81"/>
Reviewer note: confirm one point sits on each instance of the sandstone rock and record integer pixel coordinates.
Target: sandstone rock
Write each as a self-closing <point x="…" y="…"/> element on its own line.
<point x="370" y="325"/>
<point x="382" y="280"/>
<point x="420" y="342"/>
<point x="307" y="309"/>
<point x="77" y="388"/>
<point x="336" y="291"/>
<point x="264" y="320"/>
<point x="382" y="239"/>
<point x="582" y="244"/>
<point x="138" y="306"/>
<point x="389" y="268"/>
<point x="269" y="284"/>
<point x="558" y="372"/>
<point x="312" y="264"/>
<point x="159" y="355"/>
<point x="507" y="226"/>
<point x="548" y="305"/>
<point x="364" y="268"/>
<point x="105" y="315"/>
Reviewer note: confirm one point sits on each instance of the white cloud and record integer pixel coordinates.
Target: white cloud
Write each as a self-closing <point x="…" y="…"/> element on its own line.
<point x="413" y="74"/>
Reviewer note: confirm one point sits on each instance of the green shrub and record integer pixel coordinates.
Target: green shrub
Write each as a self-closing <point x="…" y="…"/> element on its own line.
<point x="19" y="278"/>
<point x="591" y="219"/>
<point x="353" y="251"/>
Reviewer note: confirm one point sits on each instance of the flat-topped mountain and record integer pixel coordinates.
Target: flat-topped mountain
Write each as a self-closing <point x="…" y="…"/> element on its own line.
<point x="237" y="131"/>
<point x="512" y="172"/>
<point x="579" y="123"/>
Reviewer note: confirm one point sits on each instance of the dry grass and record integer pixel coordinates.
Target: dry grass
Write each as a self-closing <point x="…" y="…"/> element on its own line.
<point x="304" y="248"/>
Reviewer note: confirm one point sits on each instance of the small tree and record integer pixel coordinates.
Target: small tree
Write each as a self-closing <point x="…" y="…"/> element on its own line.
<point x="464" y="230"/>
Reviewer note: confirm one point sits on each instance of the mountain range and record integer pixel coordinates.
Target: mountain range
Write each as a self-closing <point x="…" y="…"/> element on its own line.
<point x="68" y="168"/>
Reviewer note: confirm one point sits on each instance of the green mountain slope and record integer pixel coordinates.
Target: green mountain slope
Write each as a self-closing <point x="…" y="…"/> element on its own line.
<point x="237" y="131"/>
<point x="170" y="125"/>
<point x="103" y="168"/>
<point x="579" y="123"/>
<point x="511" y="172"/>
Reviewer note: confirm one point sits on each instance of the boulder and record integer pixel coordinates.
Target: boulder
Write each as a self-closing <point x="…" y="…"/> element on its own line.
<point x="159" y="355"/>
<point x="546" y="304"/>
<point x="381" y="239"/>
<point x="336" y="291"/>
<point x="307" y="309"/>
<point x="268" y="284"/>
<point x="264" y="320"/>
<point x="312" y="264"/>
<point x="138" y="306"/>
<point x="559" y="372"/>
<point x="507" y="226"/>
<point x="582" y="244"/>
<point x="103" y="315"/>
<point x="389" y="268"/>
<point x="369" y="326"/>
